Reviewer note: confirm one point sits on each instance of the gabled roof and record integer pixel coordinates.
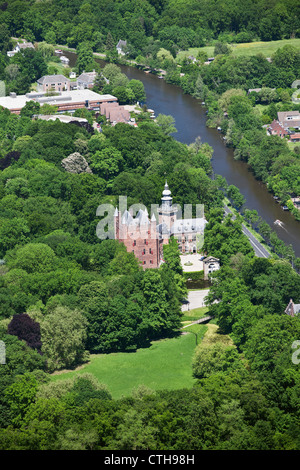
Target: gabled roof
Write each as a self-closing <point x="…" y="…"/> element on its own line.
<point x="87" y="77"/>
<point x="292" y="309"/>
<point x="25" y="45"/>
<point x="52" y="79"/>
<point x="141" y="218"/>
<point x="210" y="259"/>
<point x="121" y="43"/>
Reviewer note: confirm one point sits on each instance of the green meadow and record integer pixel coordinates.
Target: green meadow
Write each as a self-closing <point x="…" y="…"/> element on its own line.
<point x="166" y="364"/>
<point x="245" y="49"/>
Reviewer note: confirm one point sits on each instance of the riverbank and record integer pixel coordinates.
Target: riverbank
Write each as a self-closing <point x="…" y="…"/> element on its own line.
<point x="170" y="99"/>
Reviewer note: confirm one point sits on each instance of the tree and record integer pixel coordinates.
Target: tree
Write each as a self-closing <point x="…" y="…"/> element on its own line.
<point x="26" y="329"/>
<point x="63" y="335"/>
<point x="85" y="58"/>
<point x="221" y="48"/>
<point x="165" y="56"/>
<point x="33" y="257"/>
<point x="47" y="50"/>
<point x="138" y="90"/>
<point x="166" y="123"/>
<point x="13" y="232"/>
<point x="30" y="108"/>
<point x="156" y="313"/>
<point x="236" y="197"/>
<point x="214" y="358"/>
<point x="20" y="395"/>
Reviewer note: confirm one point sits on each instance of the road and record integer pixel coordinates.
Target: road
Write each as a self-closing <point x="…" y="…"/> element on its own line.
<point x="259" y="249"/>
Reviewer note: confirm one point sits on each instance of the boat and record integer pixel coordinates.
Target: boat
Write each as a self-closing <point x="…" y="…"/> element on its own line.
<point x="278" y="222"/>
<point x="64" y="59"/>
<point x="58" y="51"/>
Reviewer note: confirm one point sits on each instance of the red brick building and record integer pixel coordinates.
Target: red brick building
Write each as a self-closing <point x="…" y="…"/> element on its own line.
<point x="145" y="237"/>
<point x="139" y="235"/>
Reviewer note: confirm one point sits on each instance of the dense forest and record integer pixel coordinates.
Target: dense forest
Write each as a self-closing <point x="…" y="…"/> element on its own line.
<point x="65" y="294"/>
<point x="174" y="23"/>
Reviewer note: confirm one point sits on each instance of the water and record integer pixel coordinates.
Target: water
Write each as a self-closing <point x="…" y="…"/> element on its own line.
<point x="190" y="122"/>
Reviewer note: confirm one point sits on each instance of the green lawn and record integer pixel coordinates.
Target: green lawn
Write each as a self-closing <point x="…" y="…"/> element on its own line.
<point x="251" y="48"/>
<point x="194" y="314"/>
<point x="166" y="364"/>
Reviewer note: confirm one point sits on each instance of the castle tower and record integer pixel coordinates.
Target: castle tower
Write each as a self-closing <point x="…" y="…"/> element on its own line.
<point x="167" y="213"/>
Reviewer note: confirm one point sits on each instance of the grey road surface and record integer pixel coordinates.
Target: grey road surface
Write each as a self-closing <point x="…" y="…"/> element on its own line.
<point x="259" y="249"/>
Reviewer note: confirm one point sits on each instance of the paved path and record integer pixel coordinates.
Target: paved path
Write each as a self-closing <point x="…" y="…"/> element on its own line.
<point x="201" y="320"/>
<point x="195" y="299"/>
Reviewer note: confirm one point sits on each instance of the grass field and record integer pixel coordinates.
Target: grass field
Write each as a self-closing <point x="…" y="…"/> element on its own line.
<point x="251" y="48"/>
<point x="194" y="314"/>
<point x="166" y="364"/>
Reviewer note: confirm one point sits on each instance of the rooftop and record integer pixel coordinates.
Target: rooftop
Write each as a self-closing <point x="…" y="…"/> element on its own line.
<point x="74" y="96"/>
<point x="88" y="77"/>
<point x="141" y="218"/>
<point x="188" y="225"/>
<point x="52" y="79"/>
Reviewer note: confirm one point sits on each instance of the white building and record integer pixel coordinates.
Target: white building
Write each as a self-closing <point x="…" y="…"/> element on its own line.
<point x="189" y="232"/>
<point x="19" y="47"/>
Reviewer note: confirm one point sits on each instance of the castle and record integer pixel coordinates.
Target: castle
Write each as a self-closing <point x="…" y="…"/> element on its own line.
<point x="145" y="237"/>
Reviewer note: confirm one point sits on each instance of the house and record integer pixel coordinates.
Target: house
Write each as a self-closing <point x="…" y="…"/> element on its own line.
<point x="20" y="47"/>
<point x="295" y="137"/>
<point x="276" y="128"/>
<point x="255" y="90"/>
<point x="53" y="83"/>
<point x="86" y="80"/>
<point x="121" y="46"/>
<point x="289" y="119"/>
<point x="115" y="113"/>
<point x="292" y="309"/>
<point x="210" y="264"/>
<point x="192" y="59"/>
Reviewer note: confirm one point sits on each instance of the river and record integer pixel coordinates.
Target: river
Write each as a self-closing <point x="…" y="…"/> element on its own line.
<point x="190" y="122"/>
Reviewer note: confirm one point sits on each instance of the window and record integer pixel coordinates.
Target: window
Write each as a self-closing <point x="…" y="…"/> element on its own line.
<point x="150" y="251"/>
<point x="144" y="262"/>
<point x="134" y="242"/>
<point x="151" y="261"/>
<point x="144" y="251"/>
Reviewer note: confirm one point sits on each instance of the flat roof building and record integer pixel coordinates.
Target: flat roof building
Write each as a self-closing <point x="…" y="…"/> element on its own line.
<point x="65" y="100"/>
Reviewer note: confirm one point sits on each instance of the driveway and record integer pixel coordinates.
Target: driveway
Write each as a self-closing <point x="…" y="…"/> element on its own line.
<point x="191" y="262"/>
<point x="195" y="299"/>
